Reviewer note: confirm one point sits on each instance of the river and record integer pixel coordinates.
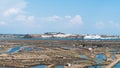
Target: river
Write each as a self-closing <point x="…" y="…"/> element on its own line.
<point x="44" y="66"/>
<point x="117" y="65"/>
<point x="14" y="49"/>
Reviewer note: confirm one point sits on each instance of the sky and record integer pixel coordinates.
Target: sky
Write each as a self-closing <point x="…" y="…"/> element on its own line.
<point x="67" y="16"/>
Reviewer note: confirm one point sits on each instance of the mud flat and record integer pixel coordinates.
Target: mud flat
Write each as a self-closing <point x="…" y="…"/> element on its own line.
<point x="54" y="52"/>
<point x="113" y="63"/>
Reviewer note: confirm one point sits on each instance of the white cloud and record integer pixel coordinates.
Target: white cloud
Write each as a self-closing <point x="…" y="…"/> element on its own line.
<point x="11" y="7"/>
<point x="107" y="25"/>
<point x="55" y="18"/>
<point x="117" y="25"/>
<point x="31" y="18"/>
<point x="51" y="19"/>
<point x="25" y="19"/>
<point x="3" y="23"/>
<point x="100" y="25"/>
<point x="11" y="11"/>
<point x="113" y="24"/>
<point x="68" y="17"/>
<point x="21" y="18"/>
<point x="76" y="20"/>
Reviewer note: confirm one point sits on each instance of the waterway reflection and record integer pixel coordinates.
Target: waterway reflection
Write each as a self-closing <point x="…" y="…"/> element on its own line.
<point x="117" y="65"/>
<point x="39" y="66"/>
<point x="95" y="67"/>
<point x="100" y="58"/>
<point x="83" y="56"/>
<point x="14" y="49"/>
<point x="60" y="66"/>
<point x="44" y="66"/>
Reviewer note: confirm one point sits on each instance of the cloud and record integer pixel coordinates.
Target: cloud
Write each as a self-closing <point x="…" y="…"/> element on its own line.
<point x="3" y="23"/>
<point x="76" y="20"/>
<point x="114" y="24"/>
<point x="110" y="25"/>
<point x="68" y="17"/>
<point x="10" y="7"/>
<point x="31" y="18"/>
<point x="11" y="11"/>
<point x="54" y="18"/>
<point x="13" y="14"/>
<point x="100" y="25"/>
<point x="21" y="18"/>
<point x="25" y="19"/>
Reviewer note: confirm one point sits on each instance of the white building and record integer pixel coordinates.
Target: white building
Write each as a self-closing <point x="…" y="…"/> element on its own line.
<point x="92" y="37"/>
<point x="62" y="35"/>
<point x="46" y="36"/>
